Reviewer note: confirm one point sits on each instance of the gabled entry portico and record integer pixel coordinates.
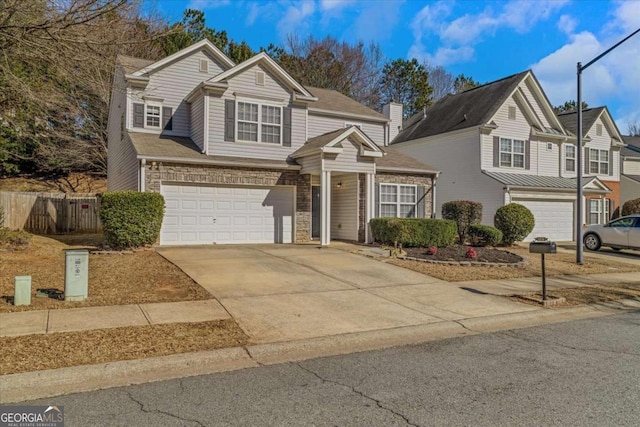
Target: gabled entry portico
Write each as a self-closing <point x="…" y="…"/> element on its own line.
<point x="336" y="161"/>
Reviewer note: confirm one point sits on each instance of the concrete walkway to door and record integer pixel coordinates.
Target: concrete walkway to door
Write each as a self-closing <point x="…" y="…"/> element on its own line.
<point x="292" y="292"/>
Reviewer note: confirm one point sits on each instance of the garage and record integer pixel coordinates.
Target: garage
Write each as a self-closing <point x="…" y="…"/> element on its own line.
<point x="554" y="219"/>
<point x="201" y="215"/>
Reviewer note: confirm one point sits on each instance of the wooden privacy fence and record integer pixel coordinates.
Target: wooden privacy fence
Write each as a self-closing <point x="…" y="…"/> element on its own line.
<point x="51" y="213"/>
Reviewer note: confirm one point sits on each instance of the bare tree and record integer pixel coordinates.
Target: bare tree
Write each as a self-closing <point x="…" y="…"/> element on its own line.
<point x="441" y="81"/>
<point x="633" y="128"/>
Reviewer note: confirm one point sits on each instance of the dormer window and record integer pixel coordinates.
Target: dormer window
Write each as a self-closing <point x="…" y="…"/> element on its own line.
<point x="152" y="115"/>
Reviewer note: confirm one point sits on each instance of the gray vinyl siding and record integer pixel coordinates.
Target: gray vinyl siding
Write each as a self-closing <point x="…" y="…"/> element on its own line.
<point x="123" y="167"/>
<point x="320" y="124"/>
<point x="173" y="83"/>
<point x="456" y="155"/>
<point x="244" y="86"/>
<point x="629" y="189"/>
<point x="197" y="120"/>
<point x="603" y="142"/>
<point x="311" y="164"/>
<point x="344" y="207"/>
<point x="349" y="160"/>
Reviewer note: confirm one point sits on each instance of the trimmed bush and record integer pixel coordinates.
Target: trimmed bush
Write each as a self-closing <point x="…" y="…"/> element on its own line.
<point x="131" y="219"/>
<point x="631" y="207"/>
<point x="413" y="232"/>
<point x="515" y="221"/>
<point x="464" y="213"/>
<point x="484" y="235"/>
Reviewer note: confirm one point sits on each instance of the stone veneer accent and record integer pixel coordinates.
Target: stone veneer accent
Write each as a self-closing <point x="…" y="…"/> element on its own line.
<point x="223" y="175"/>
<point x="393" y="178"/>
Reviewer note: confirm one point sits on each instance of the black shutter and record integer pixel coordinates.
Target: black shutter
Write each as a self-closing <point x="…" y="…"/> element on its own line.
<point x="496" y="152"/>
<point x="421" y="202"/>
<point x="138" y="115"/>
<point x="286" y="127"/>
<point x="586" y="160"/>
<point x="610" y="162"/>
<point x="229" y="120"/>
<point x="527" y="154"/>
<point x="377" y="201"/>
<point x="167" y="118"/>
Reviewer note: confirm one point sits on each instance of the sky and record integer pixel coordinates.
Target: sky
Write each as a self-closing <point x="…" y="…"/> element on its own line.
<point x="487" y="40"/>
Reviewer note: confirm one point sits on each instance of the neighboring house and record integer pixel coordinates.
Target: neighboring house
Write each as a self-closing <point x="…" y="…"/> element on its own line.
<point x="502" y="142"/>
<point x="601" y="158"/>
<point x="630" y="174"/>
<point x="245" y="154"/>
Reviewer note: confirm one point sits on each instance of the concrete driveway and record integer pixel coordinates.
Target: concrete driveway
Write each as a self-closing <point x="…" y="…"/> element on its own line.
<point x="288" y="292"/>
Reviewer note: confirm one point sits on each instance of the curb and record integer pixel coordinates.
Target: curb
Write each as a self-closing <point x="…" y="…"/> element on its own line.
<point x="56" y="382"/>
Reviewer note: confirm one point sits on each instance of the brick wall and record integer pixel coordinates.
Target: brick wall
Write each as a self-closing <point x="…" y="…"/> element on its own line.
<point x="219" y="175"/>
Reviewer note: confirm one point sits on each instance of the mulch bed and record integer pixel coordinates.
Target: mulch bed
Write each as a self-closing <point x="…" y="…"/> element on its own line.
<point x="457" y="254"/>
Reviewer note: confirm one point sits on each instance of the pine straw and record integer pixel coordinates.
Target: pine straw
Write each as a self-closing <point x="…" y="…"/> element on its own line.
<point x="588" y="295"/>
<point x="58" y="350"/>
<point x="139" y="277"/>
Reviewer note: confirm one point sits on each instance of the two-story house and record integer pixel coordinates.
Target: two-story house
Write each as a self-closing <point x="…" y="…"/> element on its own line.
<point x="243" y="153"/>
<point x="630" y="170"/>
<point x="501" y="143"/>
<point x="601" y="158"/>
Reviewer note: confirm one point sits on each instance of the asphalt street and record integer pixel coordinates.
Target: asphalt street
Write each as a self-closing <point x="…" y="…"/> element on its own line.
<point x="583" y="373"/>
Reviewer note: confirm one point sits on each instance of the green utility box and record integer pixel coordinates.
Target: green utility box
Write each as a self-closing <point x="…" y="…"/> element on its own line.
<point x="22" y="290"/>
<point x="76" y="275"/>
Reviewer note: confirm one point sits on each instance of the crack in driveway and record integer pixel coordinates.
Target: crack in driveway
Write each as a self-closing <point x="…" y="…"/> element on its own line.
<point x="158" y="411"/>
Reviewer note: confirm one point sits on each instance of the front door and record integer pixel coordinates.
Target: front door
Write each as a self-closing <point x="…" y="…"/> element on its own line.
<point x="315" y="212"/>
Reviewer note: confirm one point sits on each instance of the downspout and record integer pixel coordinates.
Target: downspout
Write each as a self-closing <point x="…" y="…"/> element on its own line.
<point x="434" y="181"/>
<point x="142" y="177"/>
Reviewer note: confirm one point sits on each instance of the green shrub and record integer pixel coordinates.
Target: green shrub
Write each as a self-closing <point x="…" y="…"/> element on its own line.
<point x="484" y="235"/>
<point x="515" y="221"/>
<point x="131" y="219"/>
<point x="14" y="239"/>
<point x="464" y="213"/>
<point x="631" y="207"/>
<point x="412" y="232"/>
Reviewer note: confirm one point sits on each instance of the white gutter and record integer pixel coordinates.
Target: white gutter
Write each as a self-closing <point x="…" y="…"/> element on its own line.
<point x="350" y="115"/>
<point x="219" y="162"/>
<point x="141" y="184"/>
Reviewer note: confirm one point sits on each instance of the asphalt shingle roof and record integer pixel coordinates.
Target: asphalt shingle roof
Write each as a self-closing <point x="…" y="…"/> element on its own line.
<point x="589" y="116"/>
<point x="131" y="64"/>
<point x="394" y="160"/>
<point x="633" y="146"/>
<point x="473" y="107"/>
<point x="332" y="100"/>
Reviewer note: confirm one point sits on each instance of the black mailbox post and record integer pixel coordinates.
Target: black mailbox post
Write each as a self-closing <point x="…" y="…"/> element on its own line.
<point x="541" y="245"/>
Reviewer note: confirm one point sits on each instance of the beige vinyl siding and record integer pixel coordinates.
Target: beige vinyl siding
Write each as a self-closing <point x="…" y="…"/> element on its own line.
<point x="117" y="108"/>
<point x="320" y="124"/>
<point x="197" y="120"/>
<point x="603" y="142"/>
<point x="125" y="167"/>
<point x="629" y="189"/>
<point x="349" y="160"/>
<point x="547" y="161"/>
<point x="456" y="155"/>
<point x="526" y="90"/>
<point x="631" y="167"/>
<point x="344" y="207"/>
<point x="245" y="83"/>
<point x="173" y="83"/>
<point x="311" y="164"/>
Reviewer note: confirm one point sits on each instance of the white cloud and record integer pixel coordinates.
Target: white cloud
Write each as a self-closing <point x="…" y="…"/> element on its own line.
<point x="334" y="4"/>
<point x="295" y="17"/>
<point x="207" y="4"/>
<point x="567" y="24"/>
<point x="376" y="21"/>
<point x="445" y="55"/>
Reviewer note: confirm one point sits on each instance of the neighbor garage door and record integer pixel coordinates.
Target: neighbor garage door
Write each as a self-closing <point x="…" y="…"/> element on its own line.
<point x="212" y="214"/>
<point x="554" y="219"/>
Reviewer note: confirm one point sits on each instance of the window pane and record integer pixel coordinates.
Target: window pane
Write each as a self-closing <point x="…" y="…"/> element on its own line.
<point x="505" y="145"/>
<point x="505" y="159"/>
<point x="571" y="151"/>
<point x="247" y="112"/>
<point x="153" y="115"/>
<point x="518" y="146"/>
<point x="604" y="168"/>
<point x="248" y="131"/>
<point x="593" y="154"/>
<point x="407" y="211"/>
<point x="388" y="194"/>
<point x="518" y="160"/>
<point x="593" y="167"/>
<point x="271" y="114"/>
<point x="407" y="194"/>
<point x="604" y="156"/>
<point x="593" y="218"/>
<point x="270" y="134"/>
<point x="571" y="165"/>
<point x="388" y="210"/>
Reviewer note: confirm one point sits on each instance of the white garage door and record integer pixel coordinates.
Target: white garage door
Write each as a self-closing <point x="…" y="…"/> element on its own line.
<point x="554" y="219"/>
<point x="206" y="214"/>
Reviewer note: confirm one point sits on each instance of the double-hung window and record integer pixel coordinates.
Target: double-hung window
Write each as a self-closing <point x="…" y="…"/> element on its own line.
<point x="598" y="211"/>
<point x="511" y="153"/>
<point x="152" y="116"/>
<point x="570" y="158"/>
<point x="259" y="123"/>
<point x="398" y="200"/>
<point x="598" y="161"/>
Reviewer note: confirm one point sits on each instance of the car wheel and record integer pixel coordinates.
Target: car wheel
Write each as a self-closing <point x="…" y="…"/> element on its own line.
<point x="592" y="242"/>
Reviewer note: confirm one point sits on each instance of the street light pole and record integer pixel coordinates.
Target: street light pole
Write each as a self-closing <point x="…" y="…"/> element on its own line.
<point x="579" y="207"/>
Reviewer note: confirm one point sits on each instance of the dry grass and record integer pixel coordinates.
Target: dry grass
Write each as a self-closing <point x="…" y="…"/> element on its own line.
<point x="51" y="351"/>
<point x="556" y="265"/>
<point x="589" y="294"/>
<point x="135" y="278"/>
<point x="78" y="183"/>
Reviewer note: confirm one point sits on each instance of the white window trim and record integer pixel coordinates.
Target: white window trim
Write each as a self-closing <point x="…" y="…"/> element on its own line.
<point x="602" y="210"/>
<point x="260" y="104"/>
<point x="598" y="161"/>
<point x="512" y="153"/>
<point x="154" y="104"/>
<point x="397" y="203"/>
<point x="566" y="157"/>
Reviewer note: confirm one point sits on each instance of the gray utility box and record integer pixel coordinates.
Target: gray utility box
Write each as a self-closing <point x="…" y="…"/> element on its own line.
<point x="542" y="247"/>
<point x="76" y="275"/>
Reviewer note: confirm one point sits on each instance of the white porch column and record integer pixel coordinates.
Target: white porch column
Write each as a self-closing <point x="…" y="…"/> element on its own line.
<point x="370" y="207"/>
<point x="325" y="208"/>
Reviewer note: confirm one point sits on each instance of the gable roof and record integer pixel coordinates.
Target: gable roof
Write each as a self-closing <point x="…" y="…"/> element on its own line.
<point x="264" y="59"/>
<point x="589" y="116"/>
<point x="473" y="107"/>
<point x="201" y="45"/>
<point x="130" y="64"/>
<point x="320" y="143"/>
<point x="633" y="146"/>
<point x="333" y="101"/>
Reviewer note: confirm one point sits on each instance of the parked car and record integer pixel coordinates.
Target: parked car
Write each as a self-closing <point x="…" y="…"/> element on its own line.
<point x="621" y="233"/>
